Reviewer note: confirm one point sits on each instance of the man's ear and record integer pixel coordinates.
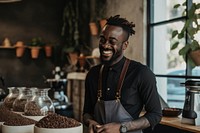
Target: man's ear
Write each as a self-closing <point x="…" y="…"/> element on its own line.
<point x="125" y="45"/>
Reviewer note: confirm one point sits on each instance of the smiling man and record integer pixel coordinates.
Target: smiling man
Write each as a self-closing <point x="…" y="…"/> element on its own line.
<point x="119" y="88"/>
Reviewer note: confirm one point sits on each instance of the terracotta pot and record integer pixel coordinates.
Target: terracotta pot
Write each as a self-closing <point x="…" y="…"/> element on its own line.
<point x="102" y="22"/>
<point x="195" y="56"/>
<point x="35" y="52"/>
<point x="48" y="51"/>
<point x="93" y="28"/>
<point x="19" y="49"/>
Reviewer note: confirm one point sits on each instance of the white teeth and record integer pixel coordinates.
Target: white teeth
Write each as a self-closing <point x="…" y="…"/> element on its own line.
<point x="107" y="52"/>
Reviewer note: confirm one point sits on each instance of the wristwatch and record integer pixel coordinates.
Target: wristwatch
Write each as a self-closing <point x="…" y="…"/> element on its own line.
<point x="123" y="128"/>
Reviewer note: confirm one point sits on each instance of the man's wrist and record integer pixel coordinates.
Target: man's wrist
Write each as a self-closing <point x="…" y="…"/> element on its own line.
<point x="123" y="128"/>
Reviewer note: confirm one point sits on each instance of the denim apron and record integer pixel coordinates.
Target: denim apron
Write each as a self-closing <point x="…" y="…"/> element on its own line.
<point x="112" y="111"/>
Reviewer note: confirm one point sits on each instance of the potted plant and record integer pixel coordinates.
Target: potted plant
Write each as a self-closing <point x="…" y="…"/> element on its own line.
<point x="70" y="32"/>
<point x="70" y="28"/>
<point x="48" y="49"/>
<point x="192" y="28"/>
<point x="35" y="46"/>
<point x="20" y="48"/>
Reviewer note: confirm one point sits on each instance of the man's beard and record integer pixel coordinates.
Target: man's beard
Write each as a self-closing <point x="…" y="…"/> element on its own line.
<point x="112" y="59"/>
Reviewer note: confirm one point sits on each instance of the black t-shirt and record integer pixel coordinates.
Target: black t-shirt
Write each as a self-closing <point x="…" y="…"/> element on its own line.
<point x="138" y="90"/>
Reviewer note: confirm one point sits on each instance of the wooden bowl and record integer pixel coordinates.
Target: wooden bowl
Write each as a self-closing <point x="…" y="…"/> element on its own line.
<point x="171" y="112"/>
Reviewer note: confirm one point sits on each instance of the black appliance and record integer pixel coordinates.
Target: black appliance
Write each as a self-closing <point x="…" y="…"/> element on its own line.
<point x="191" y="109"/>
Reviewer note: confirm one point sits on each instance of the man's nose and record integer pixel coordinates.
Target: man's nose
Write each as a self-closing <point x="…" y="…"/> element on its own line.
<point x="106" y="44"/>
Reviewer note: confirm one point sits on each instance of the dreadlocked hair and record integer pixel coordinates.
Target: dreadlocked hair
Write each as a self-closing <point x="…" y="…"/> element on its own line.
<point x="122" y="22"/>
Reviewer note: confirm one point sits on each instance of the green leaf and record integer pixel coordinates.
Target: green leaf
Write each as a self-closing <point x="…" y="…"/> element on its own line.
<point x="177" y="5"/>
<point x="198" y="6"/>
<point x="184" y="4"/>
<point x="194" y="45"/>
<point x="184" y="50"/>
<point x="180" y="35"/>
<point x="174" y="33"/>
<point x="191" y="31"/>
<point x="175" y="45"/>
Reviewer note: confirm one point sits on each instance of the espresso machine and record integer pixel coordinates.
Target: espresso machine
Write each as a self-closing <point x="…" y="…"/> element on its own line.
<point x="191" y="109"/>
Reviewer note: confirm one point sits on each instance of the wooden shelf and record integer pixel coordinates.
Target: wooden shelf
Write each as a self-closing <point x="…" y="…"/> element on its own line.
<point x="10" y="47"/>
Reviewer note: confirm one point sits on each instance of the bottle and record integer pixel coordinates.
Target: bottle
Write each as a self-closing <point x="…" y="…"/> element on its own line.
<point x="24" y="95"/>
<point x="10" y="98"/>
<point x="40" y="104"/>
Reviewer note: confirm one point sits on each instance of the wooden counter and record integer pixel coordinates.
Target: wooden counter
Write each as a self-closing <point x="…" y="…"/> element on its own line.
<point x="176" y="122"/>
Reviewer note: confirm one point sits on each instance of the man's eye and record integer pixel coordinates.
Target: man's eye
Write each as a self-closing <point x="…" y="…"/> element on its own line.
<point x="102" y="40"/>
<point x="112" y="42"/>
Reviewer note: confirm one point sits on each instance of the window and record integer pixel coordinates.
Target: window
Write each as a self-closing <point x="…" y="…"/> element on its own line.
<point x="169" y="67"/>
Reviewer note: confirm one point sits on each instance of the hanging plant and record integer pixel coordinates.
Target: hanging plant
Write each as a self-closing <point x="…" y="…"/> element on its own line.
<point x="70" y="27"/>
<point x="192" y="28"/>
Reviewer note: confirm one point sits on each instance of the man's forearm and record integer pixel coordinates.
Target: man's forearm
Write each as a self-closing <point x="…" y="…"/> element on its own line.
<point x="138" y="124"/>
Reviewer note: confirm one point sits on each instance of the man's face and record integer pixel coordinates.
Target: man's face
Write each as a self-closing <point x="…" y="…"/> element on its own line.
<point x="112" y="43"/>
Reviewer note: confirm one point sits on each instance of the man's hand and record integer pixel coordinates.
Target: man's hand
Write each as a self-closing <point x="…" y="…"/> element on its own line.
<point x="108" y="128"/>
<point x="92" y="126"/>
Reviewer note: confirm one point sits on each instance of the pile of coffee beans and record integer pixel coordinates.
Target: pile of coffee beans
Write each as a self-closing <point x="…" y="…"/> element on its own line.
<point x="19" y="121"/>
<point x="57" y="121"/>
<point x="19" y="105"/>
<point x="32" y="109"/>
<point x="13" y="119"/>
<point x="6" y="114"/>
<point x="8" y="102"/>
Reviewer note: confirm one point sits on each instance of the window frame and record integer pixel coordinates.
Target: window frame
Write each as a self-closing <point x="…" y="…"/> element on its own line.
<point x="150" y="40"/>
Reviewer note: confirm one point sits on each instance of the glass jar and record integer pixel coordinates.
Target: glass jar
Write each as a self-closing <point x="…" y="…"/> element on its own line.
<point x="40" y="104"/>
<point x="24" y="95"/>
<point x="10" y="98"/>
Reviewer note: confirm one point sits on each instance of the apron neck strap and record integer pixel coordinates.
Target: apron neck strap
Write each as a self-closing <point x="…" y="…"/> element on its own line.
<point x="120" y="83"/>
<point x="121" y="78"/>
<point x="99" y="95"/>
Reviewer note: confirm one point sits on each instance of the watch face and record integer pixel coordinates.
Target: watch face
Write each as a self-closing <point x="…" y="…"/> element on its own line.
<point x="123" y="129"/>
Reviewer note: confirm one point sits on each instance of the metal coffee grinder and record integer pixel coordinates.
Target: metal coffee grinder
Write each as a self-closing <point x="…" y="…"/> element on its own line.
<point x="191" y="109"/>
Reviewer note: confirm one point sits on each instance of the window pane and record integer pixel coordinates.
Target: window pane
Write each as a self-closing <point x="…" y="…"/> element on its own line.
<point x="164" y="10"/>
<point x="172" y="91"/>
<point x="164" y="59"/>
<point x="175" y="92"/>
